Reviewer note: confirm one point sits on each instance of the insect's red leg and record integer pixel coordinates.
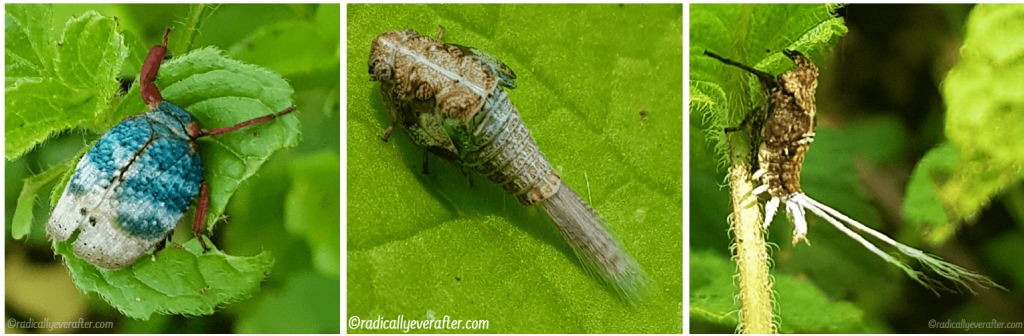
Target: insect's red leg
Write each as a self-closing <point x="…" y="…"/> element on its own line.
<point x="265" y="118"/>
<point x="387" y="132"/>
<point x="197" y="225"/>
<point x="150" y="93"/>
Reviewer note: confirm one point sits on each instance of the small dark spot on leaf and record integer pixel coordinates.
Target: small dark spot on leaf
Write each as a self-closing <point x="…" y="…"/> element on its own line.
<point x="59" y="44"/>
<point x="458" y="279"/>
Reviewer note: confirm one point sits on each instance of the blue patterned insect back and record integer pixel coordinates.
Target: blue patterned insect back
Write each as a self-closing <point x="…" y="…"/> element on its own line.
<point x="133" y="187"/>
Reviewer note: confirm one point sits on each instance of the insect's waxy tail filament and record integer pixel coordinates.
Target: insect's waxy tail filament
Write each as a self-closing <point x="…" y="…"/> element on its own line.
<point x="596" y="248"/>
<point x="959" y="275"/>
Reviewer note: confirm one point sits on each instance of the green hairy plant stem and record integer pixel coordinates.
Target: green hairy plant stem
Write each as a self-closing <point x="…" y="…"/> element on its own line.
<point x="749" y="248"/>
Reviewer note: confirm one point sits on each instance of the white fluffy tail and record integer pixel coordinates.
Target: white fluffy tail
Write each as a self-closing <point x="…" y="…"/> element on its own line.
<point x="957" y="274"/>
<point x="596" y="248"/>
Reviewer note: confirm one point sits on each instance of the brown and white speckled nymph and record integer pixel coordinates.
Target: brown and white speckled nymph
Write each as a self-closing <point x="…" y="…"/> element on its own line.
<point x="787" y="133"/>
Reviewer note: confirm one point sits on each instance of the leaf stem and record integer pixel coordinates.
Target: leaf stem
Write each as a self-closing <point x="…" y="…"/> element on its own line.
<point x="749" y="247"/>
<point x="191" y="26"/>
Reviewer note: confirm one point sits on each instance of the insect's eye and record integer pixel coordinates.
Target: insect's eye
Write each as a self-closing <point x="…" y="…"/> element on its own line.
<point x="381" y="70"/>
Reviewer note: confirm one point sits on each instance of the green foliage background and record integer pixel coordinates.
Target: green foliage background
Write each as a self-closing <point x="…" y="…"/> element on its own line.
<point x="286" y="213"/>
<point x="426" y="246"/>
<point x="910" y="104"/>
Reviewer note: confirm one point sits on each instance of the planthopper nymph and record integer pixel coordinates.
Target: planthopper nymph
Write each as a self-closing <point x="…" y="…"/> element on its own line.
<point x="785" y="127"/>
<point x="450" y="100"/>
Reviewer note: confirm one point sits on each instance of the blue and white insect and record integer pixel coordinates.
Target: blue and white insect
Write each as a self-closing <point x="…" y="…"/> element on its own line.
<point x="131" y="189"/>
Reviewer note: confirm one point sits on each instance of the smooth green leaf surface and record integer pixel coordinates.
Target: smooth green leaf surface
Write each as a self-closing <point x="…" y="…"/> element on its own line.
<point x="172" y="281"/>
<point x="431" y="245"/>
<point x="297" y="308"/>
<point x="41" y="102"/>
<point x="290" y="47"/>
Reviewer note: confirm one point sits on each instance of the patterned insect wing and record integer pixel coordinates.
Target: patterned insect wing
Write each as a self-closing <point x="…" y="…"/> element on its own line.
<point x="506" y="77"/>
<point x="130" y="189"/>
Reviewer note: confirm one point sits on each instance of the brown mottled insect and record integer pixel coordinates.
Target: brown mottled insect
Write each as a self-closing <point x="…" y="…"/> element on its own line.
<point x="787" y="130"/>
<point x="449" y="100"/>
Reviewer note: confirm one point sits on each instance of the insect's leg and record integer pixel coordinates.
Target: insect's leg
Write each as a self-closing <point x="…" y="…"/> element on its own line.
<point x="387" y="132"/>
<point x="743" y="124"/>
<point x="440" y="32"/>
<point x="426" y="158"/>
<point x="265" y="118"/>
<point x="162" y="244"/>
<point x="197" y="225"/>
<point x="466" y="172"/>
<point x="150" y="93"/>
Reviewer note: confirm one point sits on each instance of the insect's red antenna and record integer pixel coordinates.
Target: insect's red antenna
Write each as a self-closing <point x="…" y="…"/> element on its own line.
<point x="150" y="93"/>
<point x="265" y="118"/>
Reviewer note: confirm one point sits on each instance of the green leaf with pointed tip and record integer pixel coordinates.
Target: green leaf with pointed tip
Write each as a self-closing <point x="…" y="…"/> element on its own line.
<point x="56" y="85"/>
<point x="432" y="245"/>
<point x="172" y="281"/>
<point x="803" y="309"/>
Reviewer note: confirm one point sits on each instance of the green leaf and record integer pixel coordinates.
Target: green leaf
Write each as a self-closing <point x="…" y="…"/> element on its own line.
<point x="289" y="48"/>
<point x="29" y="43"/>
<point x="431" y="244"/>
<point x="312" y="208"/>
<point x="21" y="224"/>
<point x="922" y="205"/>
<point x="803" y="308"/>
<point x="984" y="119"/>
<point x="41" y="102"/>
<point x="172" y="281"/>
<point x="308" y="303"/>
